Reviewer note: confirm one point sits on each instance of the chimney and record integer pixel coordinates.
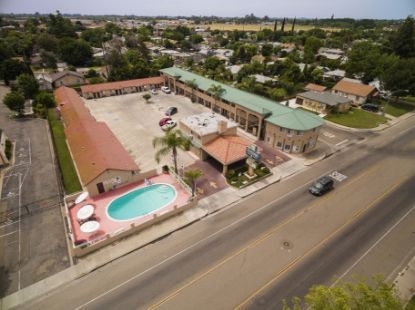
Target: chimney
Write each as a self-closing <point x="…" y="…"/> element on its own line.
<point x="222" y="126"/>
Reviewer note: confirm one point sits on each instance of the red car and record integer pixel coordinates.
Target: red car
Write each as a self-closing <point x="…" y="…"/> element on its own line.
<point x="164" y="120"/>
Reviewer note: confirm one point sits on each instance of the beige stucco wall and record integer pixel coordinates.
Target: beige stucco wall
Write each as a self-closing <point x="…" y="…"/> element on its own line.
<point x="296" y="140"/>
<point x="320" y="107"/>
<point x="357" y="100"/>
<point x="126" y="177"/>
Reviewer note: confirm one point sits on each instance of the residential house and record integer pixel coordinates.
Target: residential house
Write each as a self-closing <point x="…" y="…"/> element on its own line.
<point x="66" y="78"/>
<point x="357" y="92"/>
<point x="330" y="53"/>
<point x="262" y="79"/>
<point x="323" y="102"/>
<point x="315" y="87"/>
<point x="335" y="75"/>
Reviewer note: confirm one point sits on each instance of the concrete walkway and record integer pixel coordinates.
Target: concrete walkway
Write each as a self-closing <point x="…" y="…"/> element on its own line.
<point x="405" y="282"/>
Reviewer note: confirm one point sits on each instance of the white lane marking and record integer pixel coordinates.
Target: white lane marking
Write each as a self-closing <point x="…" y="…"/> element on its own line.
<point x="191" y="246"/>
<point x="328" y="134"/>
<point x="337" y="176"/>
<point x="373" y="246"/>
<point x="8" y="234"/>
<point x="342" y="142"/>
<point x="8" y="224"/>
<point x="20" y="232"/>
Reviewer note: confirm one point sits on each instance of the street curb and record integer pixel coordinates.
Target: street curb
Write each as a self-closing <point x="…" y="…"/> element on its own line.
<point x="78" y="271"/>
<point x="404" y="282"/>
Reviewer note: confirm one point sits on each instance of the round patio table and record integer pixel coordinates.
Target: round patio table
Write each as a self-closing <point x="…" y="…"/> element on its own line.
<point x="82" y="197"/>
<point x="90" y="226"/>
<point x="85" y="212"/>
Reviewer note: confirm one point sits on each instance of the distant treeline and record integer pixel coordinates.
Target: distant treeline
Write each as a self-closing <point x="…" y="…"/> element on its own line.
<point x="247" y="19"/>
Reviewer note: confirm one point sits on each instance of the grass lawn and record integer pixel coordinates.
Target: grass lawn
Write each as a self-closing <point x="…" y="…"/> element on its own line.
<point x="70" y="178"/>
<point x="396" y="108"/>
<point x="357" y="118"/>
<point x="409" y="98"/>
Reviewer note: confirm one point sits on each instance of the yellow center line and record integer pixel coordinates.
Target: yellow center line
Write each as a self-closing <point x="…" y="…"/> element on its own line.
<point x="321" y="243"/>
<point x="259" y="240"/>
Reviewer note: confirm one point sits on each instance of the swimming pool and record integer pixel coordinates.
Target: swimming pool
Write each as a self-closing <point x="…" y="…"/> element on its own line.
<point x="142" y="201"/>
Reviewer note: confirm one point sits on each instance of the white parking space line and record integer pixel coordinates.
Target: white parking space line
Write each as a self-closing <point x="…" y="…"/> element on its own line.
<point x="8" y="234"/>
<point x="8" y="224"/>
<point x="342" y="142"/>
<point x="328" y="134"/>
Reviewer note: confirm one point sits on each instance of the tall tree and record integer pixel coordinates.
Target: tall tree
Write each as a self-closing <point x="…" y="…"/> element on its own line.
<point x="15" y="101"/>
<point x="28" y="85"/>
<point x="292" y="28"/>
<point x="171" y="142"/>
<point x="75" y="52"/>
<point x="275" y="25"/>
<point x="12" y="68"/>
<point x="191" y="177"/>
<point x="404" y="42"/>
<point x="60" y="27"/>
<point x="216" y="90"/>
<point x="283" y="25"/>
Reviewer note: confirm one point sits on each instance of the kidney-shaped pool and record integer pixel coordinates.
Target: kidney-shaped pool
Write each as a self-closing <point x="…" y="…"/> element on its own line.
<point x="142" y="201"/>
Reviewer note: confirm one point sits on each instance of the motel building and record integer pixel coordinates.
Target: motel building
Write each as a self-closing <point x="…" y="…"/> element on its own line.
<point x="101" y="90"/>
<point x="215" y="137"/>
<point x="287" y="129"/>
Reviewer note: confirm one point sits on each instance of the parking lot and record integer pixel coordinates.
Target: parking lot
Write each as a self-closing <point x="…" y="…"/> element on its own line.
<point x="32" y="235"/>
<point x="135" y="123"/>
<point x="338" y="138"/>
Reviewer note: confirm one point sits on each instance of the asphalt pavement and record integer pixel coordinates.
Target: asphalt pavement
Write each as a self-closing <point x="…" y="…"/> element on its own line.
<point x="221" y="261"/>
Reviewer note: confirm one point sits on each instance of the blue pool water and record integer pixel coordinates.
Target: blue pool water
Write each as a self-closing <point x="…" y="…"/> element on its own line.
<point x="140" y="202"/>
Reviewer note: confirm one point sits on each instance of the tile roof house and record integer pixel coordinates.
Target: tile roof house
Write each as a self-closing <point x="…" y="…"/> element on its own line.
<point x="315" y="87"/>
<point x="357" y="92"/>
<point x="101" y="161"/>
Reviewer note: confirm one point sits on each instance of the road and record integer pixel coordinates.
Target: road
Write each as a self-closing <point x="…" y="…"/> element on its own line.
<point x="222" y="261"/>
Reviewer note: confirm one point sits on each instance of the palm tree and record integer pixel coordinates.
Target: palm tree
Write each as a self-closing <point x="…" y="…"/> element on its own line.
<point x="191" y="177"/>
<point x="171" y="142"/>
<point x="193" y="85"/>
<point x="216" y="90"/>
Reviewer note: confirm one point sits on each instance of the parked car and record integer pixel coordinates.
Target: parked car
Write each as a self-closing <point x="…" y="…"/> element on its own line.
<point x="153" y="91"/>
<point x="171" y="110"/>
<point x="169" y="125"/>
<point x="321" y="186"/>
<point x="165" y="89"/>
<point x="164" y="121"/>
<point x="370" y="107"/>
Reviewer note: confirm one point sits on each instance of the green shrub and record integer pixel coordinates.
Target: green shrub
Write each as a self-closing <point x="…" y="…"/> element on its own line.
<point x="8" y="149"/>
<point x="66" y="165"/>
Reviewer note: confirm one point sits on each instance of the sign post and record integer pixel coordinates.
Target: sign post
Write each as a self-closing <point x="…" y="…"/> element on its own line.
<point x="253" y="160"/>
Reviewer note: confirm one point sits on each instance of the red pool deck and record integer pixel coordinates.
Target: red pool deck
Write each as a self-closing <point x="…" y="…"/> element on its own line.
<point x="108" y="226"/>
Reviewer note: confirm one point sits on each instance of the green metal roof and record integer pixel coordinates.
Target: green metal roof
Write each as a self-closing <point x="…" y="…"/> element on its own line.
<point x="274" y="112"/>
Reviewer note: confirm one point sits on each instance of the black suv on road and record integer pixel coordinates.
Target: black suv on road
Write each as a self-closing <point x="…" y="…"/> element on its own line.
<point x="321" y="186"/>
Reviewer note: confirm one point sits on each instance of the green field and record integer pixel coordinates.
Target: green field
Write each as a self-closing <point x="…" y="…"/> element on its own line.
<point x="357" y="118"/>
<point x="397" y="109"/>
<point x="256" y="27"/>
<point x="66" y="165"/>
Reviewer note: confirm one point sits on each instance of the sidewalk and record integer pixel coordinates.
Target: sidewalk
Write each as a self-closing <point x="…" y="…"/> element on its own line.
<point x="405" y="282"/>
<point x="104" y="256"/>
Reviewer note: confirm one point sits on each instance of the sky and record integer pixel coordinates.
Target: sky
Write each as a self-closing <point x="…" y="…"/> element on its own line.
<point x="379" y="9"/>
